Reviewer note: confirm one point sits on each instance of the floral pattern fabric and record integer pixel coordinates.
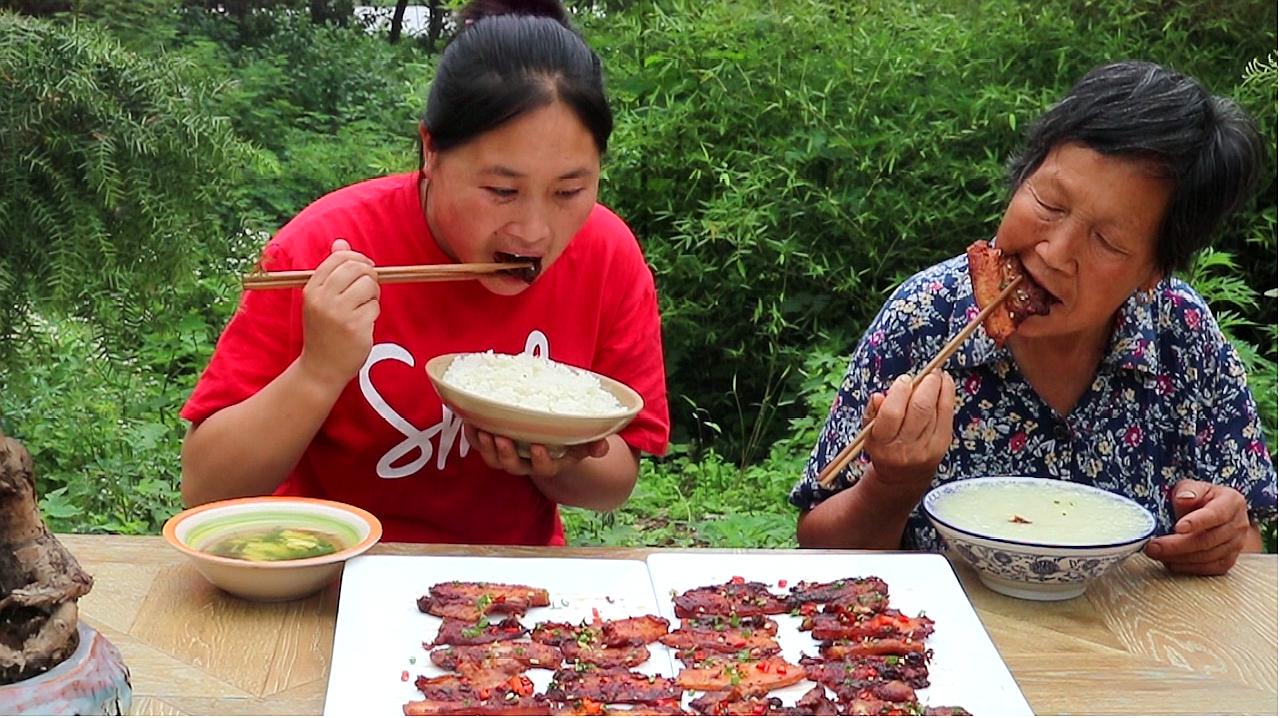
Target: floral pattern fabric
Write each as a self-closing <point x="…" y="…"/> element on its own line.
<point x="1169" y="402"/>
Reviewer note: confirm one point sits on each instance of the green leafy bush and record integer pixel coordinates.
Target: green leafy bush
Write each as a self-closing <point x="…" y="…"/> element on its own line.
<point x="786" y="163"/>
<point x="110" y="171"/>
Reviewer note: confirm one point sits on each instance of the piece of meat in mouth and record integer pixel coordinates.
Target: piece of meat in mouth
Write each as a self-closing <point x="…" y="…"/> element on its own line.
<point x="526" y="274"/>
<point x="991" y="271"/>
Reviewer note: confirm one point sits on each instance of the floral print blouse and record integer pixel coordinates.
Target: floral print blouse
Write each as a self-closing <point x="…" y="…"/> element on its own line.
<point x="1169" y="402"/>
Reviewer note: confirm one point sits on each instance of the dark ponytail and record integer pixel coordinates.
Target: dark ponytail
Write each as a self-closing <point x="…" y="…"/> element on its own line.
<point x="510" y="57"/>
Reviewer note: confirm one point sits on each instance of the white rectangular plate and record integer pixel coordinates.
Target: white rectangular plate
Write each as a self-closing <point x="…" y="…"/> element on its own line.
<point x="966" y="669"/>
<point x="380" y="632"/>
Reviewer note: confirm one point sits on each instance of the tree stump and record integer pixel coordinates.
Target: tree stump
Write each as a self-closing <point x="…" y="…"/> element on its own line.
<point x="40" y="582"/>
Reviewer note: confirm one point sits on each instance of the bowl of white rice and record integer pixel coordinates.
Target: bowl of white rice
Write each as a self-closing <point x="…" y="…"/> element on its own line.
<point x="531" y="399"/>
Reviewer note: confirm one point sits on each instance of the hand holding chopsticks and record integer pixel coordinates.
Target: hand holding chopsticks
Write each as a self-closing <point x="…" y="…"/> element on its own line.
<point x="388" y="275"/>
<point x="827" y="477"/>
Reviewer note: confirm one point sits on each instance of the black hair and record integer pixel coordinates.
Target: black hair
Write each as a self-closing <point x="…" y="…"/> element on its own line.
<point x="510" y="57"/>
<point x="1203" y="144"/>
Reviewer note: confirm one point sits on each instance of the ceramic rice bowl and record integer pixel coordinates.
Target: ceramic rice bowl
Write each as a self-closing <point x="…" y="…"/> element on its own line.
<point x="528" y="426"/>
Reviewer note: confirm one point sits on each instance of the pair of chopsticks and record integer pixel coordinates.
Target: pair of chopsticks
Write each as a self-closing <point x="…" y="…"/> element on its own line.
<point x="387" y="275"/>
<point x="827" y="477"/>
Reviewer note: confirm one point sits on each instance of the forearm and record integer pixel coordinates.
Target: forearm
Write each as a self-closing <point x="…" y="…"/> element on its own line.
<point x="601" y="484"/>
<point x="248" y="449"/>
<point x="867" y="515"/>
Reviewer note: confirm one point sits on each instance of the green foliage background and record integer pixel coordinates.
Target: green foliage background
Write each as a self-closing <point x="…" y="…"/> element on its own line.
<point x="785" y="163"/>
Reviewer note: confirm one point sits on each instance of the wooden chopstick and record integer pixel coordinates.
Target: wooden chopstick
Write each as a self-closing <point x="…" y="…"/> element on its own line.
<point x="387" y="275"/>
<point x="827" y="477"/>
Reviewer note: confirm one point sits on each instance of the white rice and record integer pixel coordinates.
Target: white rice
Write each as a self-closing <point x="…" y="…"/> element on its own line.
<point x="531" y="382"/>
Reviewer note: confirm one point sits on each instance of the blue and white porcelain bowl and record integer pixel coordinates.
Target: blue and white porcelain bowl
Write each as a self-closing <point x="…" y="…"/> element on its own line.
<point x="1036" y="538"/>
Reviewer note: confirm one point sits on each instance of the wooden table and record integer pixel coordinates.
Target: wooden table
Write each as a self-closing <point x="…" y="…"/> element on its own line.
<point x="1140" y="641"/>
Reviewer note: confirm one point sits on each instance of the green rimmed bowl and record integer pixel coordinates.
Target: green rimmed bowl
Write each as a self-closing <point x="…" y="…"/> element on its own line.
<point x="193" y="531"/>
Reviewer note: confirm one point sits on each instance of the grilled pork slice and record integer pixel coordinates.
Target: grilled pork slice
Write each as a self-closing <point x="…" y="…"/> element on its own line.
<point x="613" y="685"/>
<point x="748" y="677"/>
<point x="698" y="644"/>
<point x="634" y="631"/>
<point x="890" y="623"/>
<point x="755" y="624"/>
<point x="454" y="632"/>
<point x="875" y="695"/>
<point x="843" y="648"/>
<point x="911" y="669"/>
<point x="893" y="698"/>
<point x="526" y="653"/>
<point x="497" y="704"/>
<point x="469" y="600"/>
<point x="553" y="633"/>
<point x="814" y="703"/>
<point x="603" y="656"/>
<point x="588" y="707"/>
<point x="745" y="598"/>
<point x="866" y="595"/>
<point x="735" y="703"/>
<point x="453" y="688"/>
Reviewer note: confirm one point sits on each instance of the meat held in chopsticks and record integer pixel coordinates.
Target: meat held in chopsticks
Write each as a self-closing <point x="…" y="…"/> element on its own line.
<point x="991" y="271"/>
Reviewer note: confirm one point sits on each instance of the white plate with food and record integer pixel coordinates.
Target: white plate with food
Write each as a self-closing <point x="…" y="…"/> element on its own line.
<point x="964" y="669"/>
<point x="378" y="651"/>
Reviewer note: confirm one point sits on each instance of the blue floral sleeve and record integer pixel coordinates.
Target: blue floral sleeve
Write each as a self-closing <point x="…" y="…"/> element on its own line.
<point x="1231" y="446"/>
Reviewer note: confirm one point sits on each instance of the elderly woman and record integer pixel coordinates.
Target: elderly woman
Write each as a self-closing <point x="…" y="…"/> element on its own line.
<point x="1126" y="384"/>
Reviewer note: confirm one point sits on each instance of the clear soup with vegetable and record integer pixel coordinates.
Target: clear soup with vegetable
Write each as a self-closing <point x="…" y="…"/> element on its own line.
<point x="275" y="544"/>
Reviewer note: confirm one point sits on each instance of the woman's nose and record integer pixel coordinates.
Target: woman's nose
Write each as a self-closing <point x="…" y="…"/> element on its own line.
<point x="1059" y="246"/>
<point x="532" y="225"/>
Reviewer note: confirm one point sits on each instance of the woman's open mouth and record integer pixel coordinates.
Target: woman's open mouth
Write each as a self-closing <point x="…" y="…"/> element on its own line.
<point x="526" y="274"/>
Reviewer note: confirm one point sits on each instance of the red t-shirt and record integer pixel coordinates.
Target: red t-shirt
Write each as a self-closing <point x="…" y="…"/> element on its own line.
<point x="389" y="445"/>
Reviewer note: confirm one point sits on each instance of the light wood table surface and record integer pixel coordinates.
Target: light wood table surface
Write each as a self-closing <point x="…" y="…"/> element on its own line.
<point x="1140" y="641"/>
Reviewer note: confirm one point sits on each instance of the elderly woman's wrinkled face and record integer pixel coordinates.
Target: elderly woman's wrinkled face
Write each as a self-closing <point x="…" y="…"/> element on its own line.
<point x="520" y="191"/>
<point x="1085" y="226"/>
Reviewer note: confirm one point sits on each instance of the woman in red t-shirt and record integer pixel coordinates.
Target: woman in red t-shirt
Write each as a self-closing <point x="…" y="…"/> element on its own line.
<point x="321" y="391"/>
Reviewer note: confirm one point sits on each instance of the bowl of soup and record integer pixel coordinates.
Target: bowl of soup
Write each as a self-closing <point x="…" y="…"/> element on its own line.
<point x="272" y="548"/>
<point x="1036" y="538"/>
<point x="533" y="400"/>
